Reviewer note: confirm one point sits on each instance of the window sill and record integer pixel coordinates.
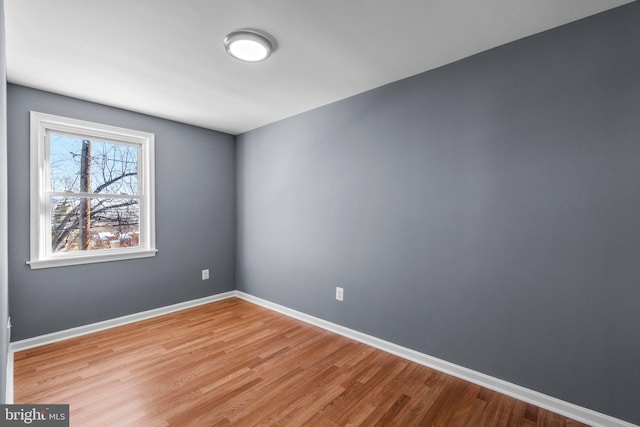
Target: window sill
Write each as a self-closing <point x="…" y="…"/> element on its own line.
<point x="63" y="261"/>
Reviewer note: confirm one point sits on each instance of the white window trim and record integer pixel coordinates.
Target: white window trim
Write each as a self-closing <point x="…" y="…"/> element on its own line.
<point x="40" y="258"/>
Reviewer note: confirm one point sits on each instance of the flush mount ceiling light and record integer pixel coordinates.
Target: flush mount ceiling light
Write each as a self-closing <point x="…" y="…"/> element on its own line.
<point x="249" y="45"/>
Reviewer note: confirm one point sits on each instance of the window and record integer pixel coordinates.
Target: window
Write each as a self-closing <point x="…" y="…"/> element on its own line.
<point x="92" y="192"/>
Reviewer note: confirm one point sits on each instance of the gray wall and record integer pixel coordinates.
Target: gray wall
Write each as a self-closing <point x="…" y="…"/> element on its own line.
<point x="195" y="224"/>
<point x="486" y="213"/>
<point x="4" y="277"/>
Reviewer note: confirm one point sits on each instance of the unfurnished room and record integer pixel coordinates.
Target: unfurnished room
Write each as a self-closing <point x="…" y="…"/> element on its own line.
<point x="328" y="213"/>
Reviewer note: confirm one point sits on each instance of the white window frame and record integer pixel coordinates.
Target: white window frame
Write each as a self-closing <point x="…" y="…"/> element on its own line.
<point x="40" y="233"/>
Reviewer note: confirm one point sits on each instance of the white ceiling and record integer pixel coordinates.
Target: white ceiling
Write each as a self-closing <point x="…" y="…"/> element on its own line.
<point x="166" y="57"/>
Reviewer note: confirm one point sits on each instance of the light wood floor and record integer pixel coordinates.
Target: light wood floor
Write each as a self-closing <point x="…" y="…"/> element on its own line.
<point x="235" y="363"/>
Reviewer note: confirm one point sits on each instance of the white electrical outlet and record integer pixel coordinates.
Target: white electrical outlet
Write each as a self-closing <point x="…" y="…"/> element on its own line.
<point x="339" y="294"/>
<point x="205" y="274"/>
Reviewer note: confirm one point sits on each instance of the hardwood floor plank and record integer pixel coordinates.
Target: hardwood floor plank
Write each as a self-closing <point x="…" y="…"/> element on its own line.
<point x="390" y="414"/>
<point x="234" y="363"/>
<point x="440" y="412"/>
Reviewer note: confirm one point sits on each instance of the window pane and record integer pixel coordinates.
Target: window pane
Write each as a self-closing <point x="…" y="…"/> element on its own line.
<point x="114" y="168"/>
<point x="65" y="162"/>
<point x="82" y="165"/>
<point x="79" y="224"/>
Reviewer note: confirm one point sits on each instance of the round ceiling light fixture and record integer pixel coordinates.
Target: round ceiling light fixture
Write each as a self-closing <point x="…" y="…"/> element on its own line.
<point x="249" y="45"/>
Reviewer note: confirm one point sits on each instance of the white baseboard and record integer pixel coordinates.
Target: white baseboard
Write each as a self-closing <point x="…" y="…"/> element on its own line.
<point x="553" y="404"/>
<point x="112" y="323"/>
<point x="541" y="400"/>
